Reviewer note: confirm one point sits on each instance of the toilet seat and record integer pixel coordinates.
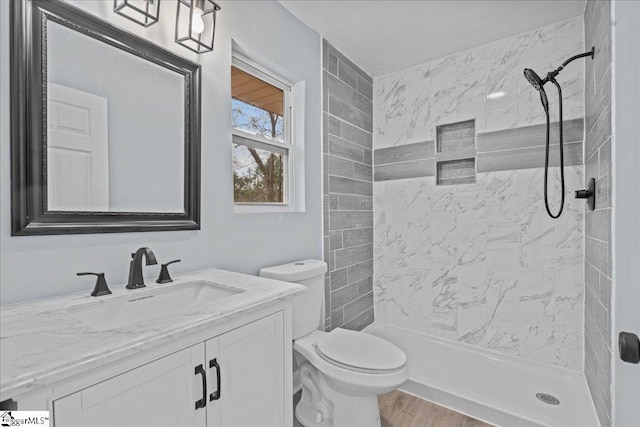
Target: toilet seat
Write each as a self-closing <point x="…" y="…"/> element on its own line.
<point x="360" y="352"/>
<point x="347" y="379"/>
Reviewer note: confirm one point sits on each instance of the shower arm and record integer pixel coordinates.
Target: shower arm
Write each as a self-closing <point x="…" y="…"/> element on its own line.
<point x="590" y="53"/>
<point x="552" y="74"/>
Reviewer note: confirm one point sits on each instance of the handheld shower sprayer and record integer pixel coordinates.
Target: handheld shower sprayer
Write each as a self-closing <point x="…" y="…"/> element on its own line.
<point x="538" y="84"/>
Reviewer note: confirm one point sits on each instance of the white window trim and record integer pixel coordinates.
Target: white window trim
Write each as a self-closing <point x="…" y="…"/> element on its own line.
<point x="259" y="141"/>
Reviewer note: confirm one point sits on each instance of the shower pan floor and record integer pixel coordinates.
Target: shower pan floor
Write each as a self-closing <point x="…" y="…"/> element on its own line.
<point x="493" y="387"/>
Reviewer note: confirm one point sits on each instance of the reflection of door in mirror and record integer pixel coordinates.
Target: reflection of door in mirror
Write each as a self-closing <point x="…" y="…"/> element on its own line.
<point x="77" y="150"/>
<point x="146" y="112"/>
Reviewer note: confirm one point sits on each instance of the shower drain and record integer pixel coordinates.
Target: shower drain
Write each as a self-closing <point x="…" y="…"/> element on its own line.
<point x="548" y="399"/>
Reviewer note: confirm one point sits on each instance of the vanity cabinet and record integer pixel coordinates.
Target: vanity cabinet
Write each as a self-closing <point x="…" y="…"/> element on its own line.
<point x="251" y="363"/>
<point x="234" y="379"/>
<point x="159" y="393"/>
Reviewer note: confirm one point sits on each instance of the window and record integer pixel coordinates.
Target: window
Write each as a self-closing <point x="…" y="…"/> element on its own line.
<point x="261" y="136"/>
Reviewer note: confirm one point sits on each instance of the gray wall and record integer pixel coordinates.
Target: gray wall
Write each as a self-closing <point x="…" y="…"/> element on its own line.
<point x="348" y="211"/>
<point x="598" y="248"/>
<point x="38" y="267"/>
<point x="626" y="195"/>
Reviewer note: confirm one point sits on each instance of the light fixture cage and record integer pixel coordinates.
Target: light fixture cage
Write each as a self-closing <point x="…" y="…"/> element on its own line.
<point x="143" y="12"/>
<point x="187" y="32"/>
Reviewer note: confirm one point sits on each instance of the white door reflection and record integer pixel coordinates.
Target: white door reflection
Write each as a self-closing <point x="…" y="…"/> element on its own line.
<point x="141" y="131"/>
<point x="77" y="150"/>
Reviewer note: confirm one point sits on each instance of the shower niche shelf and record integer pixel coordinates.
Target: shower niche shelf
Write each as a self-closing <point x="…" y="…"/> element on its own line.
<point x="456" y="153"/>
<point x="456" y="136"/>
<point x="461" y="171"/>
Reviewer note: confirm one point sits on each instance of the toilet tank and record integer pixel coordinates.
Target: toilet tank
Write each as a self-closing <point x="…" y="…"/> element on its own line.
<point x="307" y="306"/>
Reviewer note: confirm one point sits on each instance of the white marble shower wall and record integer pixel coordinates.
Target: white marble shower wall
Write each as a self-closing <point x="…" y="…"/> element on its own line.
<point x="482" y="263"/>
<point x="410" y="103"/>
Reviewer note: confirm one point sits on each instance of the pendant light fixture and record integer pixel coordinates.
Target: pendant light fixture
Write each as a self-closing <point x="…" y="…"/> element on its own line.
<point x="195" y="24"/>
<point x="143" y="12"/>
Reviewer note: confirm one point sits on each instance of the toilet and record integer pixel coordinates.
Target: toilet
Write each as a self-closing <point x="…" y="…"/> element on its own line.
<point x="342" y="372"/>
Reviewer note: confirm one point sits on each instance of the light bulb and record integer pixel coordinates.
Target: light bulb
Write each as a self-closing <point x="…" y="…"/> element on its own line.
<point x="197" y="24"/>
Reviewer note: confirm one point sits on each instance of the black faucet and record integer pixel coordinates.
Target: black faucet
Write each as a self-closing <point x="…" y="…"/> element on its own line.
<point x="135" y="267"/>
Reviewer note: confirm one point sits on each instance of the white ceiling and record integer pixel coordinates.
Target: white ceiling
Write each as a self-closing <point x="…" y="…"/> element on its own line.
<point x="382" y="36"/>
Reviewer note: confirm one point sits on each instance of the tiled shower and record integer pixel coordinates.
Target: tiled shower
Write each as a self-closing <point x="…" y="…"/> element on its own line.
<point x="462" y="245"/>
<point x="481" y="262"/>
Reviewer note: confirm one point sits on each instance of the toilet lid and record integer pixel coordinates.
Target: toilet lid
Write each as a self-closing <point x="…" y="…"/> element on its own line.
<point x="360" y="350"/>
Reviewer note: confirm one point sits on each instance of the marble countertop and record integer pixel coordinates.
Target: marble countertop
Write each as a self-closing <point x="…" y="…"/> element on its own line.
<point x="42" y="342"/>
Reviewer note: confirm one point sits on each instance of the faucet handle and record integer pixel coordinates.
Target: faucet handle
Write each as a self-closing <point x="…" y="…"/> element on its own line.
<point x="101" y="287"/>
<point x="164" y="272"/>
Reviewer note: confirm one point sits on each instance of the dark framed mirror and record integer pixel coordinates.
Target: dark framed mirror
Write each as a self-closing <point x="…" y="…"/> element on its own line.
<point x="105" y="127"/>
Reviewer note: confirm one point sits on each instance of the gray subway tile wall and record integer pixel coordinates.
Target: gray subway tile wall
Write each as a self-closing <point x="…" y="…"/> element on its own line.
<point x="341" y="185"/>
<point x="524" y="147"/>
<point x="348" y="189"/>
<point x="503" y="150"/>
<point x="361" y="321"/>
<point x="529" y="157"/>
<point x="597" y="161"/>
<point x="404" y="161"/>
<point x="465" y="153"/>
<point x="529" y="136"/>
<point x="404" y="170"/>
<point x="340" y="220"/>
<point x="404" y="153"/>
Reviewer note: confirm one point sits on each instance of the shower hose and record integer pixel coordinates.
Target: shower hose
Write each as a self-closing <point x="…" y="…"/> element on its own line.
<point x="546" y="156"/>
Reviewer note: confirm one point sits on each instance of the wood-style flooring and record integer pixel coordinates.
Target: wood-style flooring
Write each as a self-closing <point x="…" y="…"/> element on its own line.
<point x="398" y="409"/>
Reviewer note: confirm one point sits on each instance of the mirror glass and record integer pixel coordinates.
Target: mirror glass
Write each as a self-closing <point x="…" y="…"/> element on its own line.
<point x="115" y="128"/>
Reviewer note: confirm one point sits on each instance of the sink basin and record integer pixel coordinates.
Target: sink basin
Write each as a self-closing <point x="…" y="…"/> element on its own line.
<point x="112" y="313"/>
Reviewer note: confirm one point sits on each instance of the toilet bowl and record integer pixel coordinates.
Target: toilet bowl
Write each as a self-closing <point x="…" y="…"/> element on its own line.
<point x="369" y="366"/>
<point x="342" y="372"/>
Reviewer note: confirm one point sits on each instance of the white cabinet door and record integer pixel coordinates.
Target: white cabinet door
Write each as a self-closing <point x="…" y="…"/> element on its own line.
<point x="160" y="393"/>
<point x="251" y="363"/>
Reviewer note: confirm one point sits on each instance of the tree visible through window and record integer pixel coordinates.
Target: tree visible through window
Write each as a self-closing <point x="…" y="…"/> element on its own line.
<point x="259" y="153"/>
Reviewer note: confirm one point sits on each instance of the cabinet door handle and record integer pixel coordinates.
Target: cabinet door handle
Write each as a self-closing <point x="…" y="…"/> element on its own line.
<point x="201" y="403"/>
<point x="216" y="394"/>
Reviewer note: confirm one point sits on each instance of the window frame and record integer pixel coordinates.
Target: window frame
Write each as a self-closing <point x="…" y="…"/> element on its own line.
<point x="286" y="147"/>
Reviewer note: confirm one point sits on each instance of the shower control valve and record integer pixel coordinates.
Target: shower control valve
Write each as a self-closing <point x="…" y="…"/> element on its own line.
<point x="589" y="193"/>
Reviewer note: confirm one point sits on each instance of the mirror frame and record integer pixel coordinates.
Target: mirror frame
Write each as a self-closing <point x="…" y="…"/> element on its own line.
<point x="29" y="215"/>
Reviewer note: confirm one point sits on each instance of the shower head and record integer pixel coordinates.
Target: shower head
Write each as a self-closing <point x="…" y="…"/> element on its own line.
<point x="533" y="78"/>
<point x="537" y="84"/>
